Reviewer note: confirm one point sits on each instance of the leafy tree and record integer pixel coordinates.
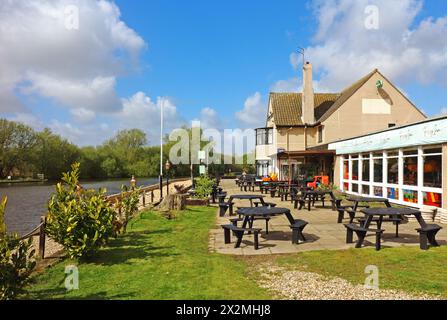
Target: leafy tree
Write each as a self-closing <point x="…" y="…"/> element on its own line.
<point x="16" y="260"/>
<point x="80" y="220"/>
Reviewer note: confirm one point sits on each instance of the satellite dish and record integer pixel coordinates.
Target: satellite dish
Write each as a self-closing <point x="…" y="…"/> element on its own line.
<point x="379" y="84"/>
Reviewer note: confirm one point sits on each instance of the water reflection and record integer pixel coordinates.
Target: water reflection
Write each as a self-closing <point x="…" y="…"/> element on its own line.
<point x="27" y="202"/>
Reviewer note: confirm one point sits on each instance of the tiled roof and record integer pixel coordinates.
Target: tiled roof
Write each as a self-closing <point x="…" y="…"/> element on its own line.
<point x="287" y="107"/>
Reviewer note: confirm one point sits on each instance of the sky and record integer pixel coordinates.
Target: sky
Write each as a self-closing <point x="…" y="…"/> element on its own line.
<point x="86" y="68"/>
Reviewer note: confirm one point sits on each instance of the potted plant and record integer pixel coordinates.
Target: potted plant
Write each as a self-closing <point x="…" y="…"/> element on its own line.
<point x="204" y="187"/>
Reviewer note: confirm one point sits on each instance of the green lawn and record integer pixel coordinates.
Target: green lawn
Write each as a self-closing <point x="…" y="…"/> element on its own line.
<point x="157" y="259"/>
<point x="407" y="268"/>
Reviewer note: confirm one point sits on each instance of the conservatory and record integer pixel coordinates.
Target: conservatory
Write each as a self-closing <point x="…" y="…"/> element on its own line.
<point x="407" y="164"/>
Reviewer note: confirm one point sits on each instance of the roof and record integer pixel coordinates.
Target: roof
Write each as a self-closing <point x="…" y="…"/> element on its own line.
<point x="287" y="107"/>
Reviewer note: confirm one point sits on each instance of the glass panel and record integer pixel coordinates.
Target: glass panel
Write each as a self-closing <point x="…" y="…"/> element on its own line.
<point x="355" y="156"/>
<point x="378" y="155"/>
<point x="378" y="191"/>
<point x="346" y="170"/>
<point x="410" y="196"/>
<point x="378" y="170"/>
<point x="393" y="193"/>
<point x="346" y="186"/>
<point x="260" y="137"/>
<point x="432" y="199"/>
<point x="355" y="187"/>
<point x="411" y="152"/>
<point x="365" y="170"/>
<point x="270" y="136"/>
<point x="433" y="171"/>
<point x="393" y="170"/>
<point x="365" y="190"/>
<point x="392" y="153"/>
<point x="411" y="171"/>
<point x="433" y="150"/>
<point x="355" y="170"/>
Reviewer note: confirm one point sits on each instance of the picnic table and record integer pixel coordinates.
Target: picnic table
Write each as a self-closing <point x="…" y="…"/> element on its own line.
<point x="251" y="214"/>
<point x="249" y="197"/>
<point x="368" y="200"/>
<point x="427" y="231"/>
<point x="314" y="195"/>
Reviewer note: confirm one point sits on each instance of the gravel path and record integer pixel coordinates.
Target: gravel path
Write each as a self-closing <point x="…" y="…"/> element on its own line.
<point x="299" y="285"/>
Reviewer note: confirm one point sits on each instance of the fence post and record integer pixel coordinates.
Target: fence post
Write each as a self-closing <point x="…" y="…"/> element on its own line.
<point x="144" y="198"/>
<point x="152" y="196"/>
<point x="43" y="222"/>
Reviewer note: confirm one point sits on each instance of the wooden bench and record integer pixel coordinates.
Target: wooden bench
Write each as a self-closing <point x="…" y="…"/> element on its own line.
<point x="224" y="206"/>
<point x="361" y="234"/>
<point x="239" y="232"/>
<point x="297" y="231"/>
<point x="272" y="192"/>
<point x="234" y="221"/>
<point x="427" y="234"/>
<point x="395" y="221"/>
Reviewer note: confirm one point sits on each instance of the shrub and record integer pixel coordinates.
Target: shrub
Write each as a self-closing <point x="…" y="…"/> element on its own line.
<point x="16" y="260"/>
<point x="204" y="187"/>
<point x="130" y="198"/>
<point x="80" y="220"/>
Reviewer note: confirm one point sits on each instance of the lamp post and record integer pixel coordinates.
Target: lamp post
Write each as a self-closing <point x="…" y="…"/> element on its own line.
<point x="167" y="168"/>
<point x="161" y="149"/>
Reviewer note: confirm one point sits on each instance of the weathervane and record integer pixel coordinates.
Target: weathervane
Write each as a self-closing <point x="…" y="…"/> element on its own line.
<point x="302" y="51"/>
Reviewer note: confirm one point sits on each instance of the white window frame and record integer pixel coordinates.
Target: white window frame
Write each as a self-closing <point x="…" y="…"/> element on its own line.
<point x="400" y="186"/>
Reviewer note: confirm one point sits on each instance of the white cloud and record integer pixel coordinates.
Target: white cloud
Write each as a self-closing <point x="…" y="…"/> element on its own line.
<point x="140" y="111"/>
<point x="76" y="68"/>
<point x="443" y="111"/>
<point x="402" y="48"/>
<point x="289" y="85"/>
<point x="254" y="112"/>
<point x="210" y="119"/>
<point x="83" y="115"/>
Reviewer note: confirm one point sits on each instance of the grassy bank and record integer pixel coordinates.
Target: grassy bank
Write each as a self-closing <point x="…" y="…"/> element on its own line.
<point x="407" y="268"/>
<point x="157" y="259"/>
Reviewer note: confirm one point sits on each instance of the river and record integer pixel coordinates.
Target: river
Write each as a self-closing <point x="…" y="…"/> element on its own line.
<point x="27" y="202"/>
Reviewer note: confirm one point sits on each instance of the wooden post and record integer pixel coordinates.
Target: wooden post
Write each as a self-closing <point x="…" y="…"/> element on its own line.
<point x="152" y="196"/>
<point x="43" y="221"/>
<point x="144" y="198"/>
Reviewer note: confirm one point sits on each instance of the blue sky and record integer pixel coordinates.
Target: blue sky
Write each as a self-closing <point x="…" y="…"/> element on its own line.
<point x="215" y="61"/>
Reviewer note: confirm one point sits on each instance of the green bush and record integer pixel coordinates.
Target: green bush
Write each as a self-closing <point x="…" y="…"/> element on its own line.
<point x="16" y="260"/>
<point x="80" y="220"/>
<point x="204" y="187"/>
<point x="130" y="198"/>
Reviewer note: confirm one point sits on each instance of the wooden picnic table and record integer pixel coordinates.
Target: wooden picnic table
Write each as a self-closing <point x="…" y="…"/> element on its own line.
<point x="249" y="197"/>
<point x="358" y="200"/>
<point x="312" y="195"/>
<point x="427" y="231"/>
<point x="250" y="214"/>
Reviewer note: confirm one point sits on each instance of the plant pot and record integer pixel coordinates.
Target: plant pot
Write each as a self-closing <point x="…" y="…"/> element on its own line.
<point x="442" y="214"/>
<point x="197" y="202"/>
<point x="428" y="213"/>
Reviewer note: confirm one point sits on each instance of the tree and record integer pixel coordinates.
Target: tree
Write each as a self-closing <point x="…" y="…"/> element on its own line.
<point x="16" y="142"/>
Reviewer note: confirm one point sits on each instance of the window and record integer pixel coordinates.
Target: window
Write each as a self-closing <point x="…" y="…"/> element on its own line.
<point x="355" y="169"/>
<point x="365" y="170"/>
<point x="346" y="170"/>
<point x="378" y="170"/>
<point x="411" y="171"/>
<point x="262" y="168"/>
<point x="264" y="136"/>
<point x="393" y="193"/>
<point x="320" y="134"/>
<point x="393" y="170"/>
<point x="433" y="167"/>
<point x="432" y="199"/>
<point x="410" y="196"/>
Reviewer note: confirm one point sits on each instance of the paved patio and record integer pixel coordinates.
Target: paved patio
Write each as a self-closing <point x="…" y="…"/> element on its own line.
<point x="322" y="232"/>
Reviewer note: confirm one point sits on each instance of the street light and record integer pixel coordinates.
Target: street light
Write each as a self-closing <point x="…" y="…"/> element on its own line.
<point x="161" y="149"/>
<point x="167" y="167"/>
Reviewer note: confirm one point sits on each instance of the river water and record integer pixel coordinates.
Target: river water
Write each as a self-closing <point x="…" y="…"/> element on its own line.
<point x="27" y="202"/>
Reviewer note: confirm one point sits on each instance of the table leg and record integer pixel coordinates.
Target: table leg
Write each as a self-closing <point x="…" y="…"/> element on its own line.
<point x="241" y="234"/>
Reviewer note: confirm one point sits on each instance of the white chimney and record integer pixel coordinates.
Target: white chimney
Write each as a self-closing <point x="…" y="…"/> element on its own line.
<point x="308" y="105"/>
